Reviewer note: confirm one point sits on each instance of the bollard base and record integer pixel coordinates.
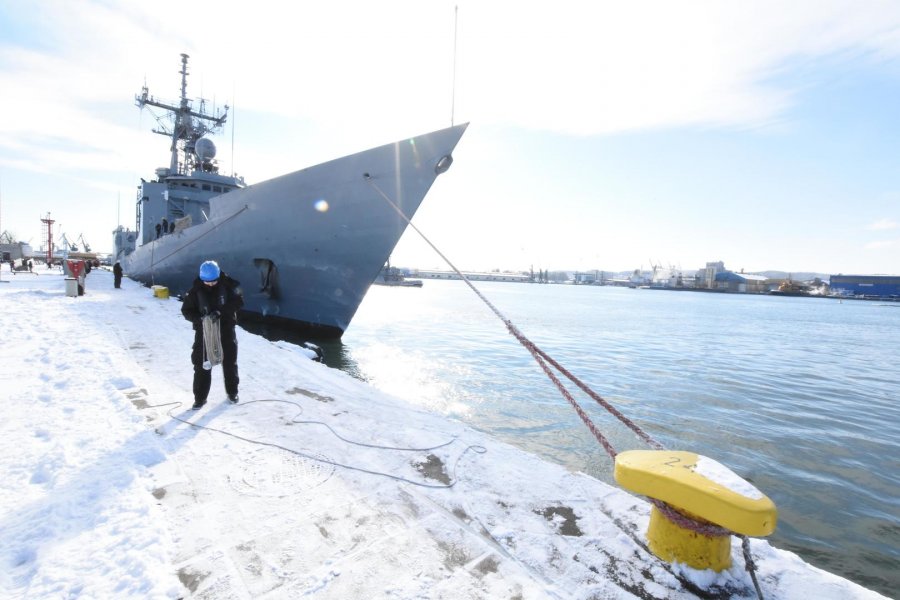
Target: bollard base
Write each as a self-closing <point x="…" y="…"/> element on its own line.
<point x="673" y="543"/>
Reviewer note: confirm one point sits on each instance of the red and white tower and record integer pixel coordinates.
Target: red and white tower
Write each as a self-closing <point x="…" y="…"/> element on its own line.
<point x="49" y="239"/>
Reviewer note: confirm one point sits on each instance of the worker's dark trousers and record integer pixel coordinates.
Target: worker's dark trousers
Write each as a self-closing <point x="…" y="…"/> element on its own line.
<point x="202" y="377"/>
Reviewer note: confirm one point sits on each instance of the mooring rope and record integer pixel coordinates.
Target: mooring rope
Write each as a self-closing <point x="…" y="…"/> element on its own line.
<point x="749" y="564"/>
<point x="542" y="358"/>
<point x="212" y="342"/>
<point x="710" y="530"/>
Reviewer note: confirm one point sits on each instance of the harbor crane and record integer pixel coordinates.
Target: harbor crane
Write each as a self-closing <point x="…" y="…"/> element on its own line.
<point x="66" y="243"/>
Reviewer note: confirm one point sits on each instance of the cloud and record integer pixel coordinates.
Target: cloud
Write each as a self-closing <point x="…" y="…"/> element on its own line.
<point x="576" y="68"/>
<point x="882" y="244"/>
<point x="883" y="224"/>
<point x="593" y="68"/>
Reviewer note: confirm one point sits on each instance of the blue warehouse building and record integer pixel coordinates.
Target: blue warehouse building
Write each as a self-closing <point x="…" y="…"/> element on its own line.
<point x="870" y="286"/>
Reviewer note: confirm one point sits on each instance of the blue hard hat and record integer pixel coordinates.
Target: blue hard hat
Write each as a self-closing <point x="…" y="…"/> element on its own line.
<point x="209" y="271"/>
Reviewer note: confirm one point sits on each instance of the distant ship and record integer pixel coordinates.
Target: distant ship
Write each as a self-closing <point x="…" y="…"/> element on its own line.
<point x="305" y="246"/>
<point x="394" y="277"/>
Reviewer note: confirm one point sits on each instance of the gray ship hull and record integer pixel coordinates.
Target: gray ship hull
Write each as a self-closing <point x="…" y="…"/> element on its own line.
<point x="305" y="246"/>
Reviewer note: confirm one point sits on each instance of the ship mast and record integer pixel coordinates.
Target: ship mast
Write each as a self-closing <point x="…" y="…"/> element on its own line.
<point x="187" y="125"/>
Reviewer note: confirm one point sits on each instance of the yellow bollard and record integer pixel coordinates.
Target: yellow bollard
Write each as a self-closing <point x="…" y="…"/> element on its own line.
<point x="673" y="543"/>
<point x="701" y="489"/>
<point x="160" y="291"/>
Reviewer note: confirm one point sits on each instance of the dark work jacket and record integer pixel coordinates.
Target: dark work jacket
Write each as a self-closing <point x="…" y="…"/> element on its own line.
<point x="225" y="297"/>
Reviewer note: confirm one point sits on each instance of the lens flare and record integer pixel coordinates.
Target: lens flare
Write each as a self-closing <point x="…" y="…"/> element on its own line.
<point x="321" y="205"/>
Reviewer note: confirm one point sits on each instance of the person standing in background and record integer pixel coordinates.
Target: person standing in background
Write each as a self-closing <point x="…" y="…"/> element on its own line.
<point x="117" y="275"/>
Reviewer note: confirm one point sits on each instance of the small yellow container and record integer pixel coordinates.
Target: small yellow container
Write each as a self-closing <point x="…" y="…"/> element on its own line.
<point x="160" y="291"/>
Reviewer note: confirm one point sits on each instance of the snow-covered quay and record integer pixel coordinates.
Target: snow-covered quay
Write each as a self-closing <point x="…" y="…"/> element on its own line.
<point x="314" y="485"/>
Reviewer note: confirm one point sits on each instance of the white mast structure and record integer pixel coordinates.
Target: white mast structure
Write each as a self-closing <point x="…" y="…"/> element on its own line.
<point x="188" y="125"/>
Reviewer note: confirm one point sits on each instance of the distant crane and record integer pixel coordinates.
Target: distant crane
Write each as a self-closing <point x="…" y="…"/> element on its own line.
<point x="65" y="242"/>
<point x="656" y="268"/>
<point x="84" y="244"/>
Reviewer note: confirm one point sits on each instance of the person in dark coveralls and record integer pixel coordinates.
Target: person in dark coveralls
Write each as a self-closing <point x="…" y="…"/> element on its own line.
<point x="117" y="275"/>
<point x="214" y="294"/>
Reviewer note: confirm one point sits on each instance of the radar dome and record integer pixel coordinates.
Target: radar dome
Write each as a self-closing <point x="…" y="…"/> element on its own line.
<point x="205" y="149"/>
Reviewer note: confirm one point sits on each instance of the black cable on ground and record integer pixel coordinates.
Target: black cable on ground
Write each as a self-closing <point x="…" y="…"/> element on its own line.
<point x="472" y="447"/>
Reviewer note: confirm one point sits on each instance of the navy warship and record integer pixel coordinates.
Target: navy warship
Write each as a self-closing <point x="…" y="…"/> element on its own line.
<point x="305" y="246"/>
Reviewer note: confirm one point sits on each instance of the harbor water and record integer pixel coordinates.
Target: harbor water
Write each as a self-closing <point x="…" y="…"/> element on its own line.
<point x="797" y="395"/>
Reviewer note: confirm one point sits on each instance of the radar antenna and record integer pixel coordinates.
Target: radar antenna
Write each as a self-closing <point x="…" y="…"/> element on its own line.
<point x="182" y="123"/>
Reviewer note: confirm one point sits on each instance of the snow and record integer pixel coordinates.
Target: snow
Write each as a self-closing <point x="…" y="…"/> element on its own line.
<point x="314" y="485"/>
<point x="719" y="473"/>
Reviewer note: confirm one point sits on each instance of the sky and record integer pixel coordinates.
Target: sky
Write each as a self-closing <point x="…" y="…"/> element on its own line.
<point x="604" y="135"/>
<point x="314" y="485"/>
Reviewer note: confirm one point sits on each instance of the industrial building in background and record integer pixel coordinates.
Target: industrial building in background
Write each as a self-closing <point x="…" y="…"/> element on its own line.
<point x="866" y="286"/>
